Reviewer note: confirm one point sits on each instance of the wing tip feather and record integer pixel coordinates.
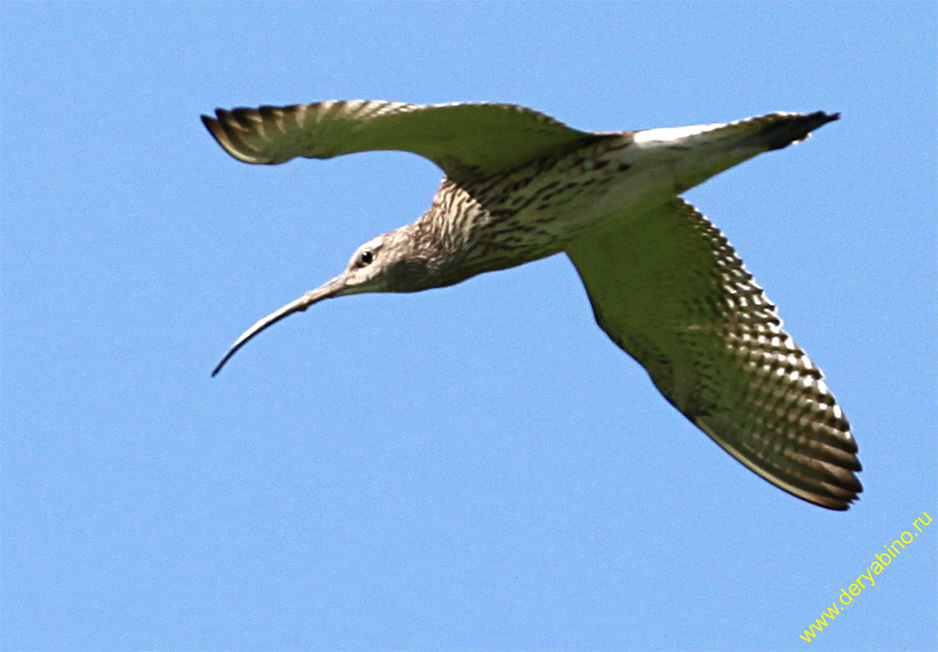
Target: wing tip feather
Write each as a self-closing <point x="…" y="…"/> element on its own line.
<point x="829" y="483"/>
<point x="224" y="127"/>
<point x="789" y="129"/>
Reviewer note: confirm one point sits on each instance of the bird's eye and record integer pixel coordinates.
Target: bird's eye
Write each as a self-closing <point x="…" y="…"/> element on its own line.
<point x="366" y="257"/>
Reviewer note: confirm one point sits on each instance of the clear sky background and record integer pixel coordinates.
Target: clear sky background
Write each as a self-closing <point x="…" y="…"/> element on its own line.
<point x="471" y="468"/>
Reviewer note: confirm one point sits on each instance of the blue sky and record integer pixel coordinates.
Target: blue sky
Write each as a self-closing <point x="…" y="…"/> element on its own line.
<point x="471" y="468"/>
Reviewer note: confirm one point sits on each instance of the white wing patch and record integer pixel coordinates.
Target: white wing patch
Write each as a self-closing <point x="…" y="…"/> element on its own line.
<point x="671" y="134"/>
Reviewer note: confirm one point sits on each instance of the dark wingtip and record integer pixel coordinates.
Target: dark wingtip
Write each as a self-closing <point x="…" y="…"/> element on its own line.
<point x="823" y="118"/>
<point x="843" y="506"/>
<point x="230" y="130"/>
<point x="788" y="129"/>
<point x="209" y="123"/>
<point x="217" y="130"/>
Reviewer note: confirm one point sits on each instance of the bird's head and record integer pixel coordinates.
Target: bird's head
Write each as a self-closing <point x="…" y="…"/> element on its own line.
<point x="392" y="262"/>
<point x="388" y="263"/>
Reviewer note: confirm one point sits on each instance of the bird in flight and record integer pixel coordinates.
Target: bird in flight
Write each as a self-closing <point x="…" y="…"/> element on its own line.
<point x="664" y="283"/>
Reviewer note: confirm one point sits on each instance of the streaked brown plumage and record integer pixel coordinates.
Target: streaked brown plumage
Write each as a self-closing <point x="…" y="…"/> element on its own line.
<point x="664" y="283"/>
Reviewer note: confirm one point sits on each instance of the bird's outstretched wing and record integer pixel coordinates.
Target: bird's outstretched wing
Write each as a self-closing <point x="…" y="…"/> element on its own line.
<point x="463" y="139"/>
<point x="669" y="289"/>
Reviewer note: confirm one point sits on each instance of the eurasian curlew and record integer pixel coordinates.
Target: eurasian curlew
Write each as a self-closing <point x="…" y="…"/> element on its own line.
<point x="664" y="283"/>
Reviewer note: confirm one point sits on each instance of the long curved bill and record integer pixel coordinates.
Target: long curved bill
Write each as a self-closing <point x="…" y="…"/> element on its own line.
<point x="331" y="289"/>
